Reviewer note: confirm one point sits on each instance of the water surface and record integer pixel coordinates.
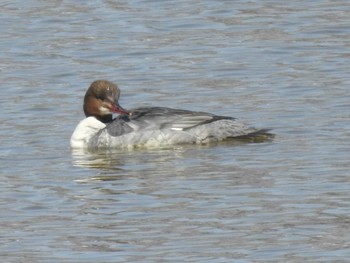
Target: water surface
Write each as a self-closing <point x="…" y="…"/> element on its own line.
<point x="268" y="63"/>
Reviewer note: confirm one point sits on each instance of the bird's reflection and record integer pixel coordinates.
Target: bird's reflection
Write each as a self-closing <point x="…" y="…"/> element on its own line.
<point x="99" y="160"/>
<point x="112" y="164"/>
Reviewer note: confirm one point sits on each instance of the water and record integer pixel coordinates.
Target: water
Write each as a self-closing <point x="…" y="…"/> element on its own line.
<point x="269" y="63"/>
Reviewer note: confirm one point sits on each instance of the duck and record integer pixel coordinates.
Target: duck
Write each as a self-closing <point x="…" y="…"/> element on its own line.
<point x="150" y="126"/>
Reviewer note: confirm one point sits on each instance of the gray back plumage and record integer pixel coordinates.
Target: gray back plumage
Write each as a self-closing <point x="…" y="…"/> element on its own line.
<point x="160" y="118"/>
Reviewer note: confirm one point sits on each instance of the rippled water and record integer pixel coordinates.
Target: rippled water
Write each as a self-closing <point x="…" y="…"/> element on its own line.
<point x="269" y="63"/>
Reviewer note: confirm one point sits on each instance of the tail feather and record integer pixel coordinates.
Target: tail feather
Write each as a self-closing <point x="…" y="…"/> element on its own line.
<point x="260" y="135"/>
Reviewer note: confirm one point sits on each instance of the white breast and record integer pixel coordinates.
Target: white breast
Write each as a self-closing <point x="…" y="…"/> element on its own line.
<point x="85" y="130"/>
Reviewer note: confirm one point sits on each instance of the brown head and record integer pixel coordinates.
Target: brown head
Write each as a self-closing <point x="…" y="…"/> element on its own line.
<point x="101" y="101"/>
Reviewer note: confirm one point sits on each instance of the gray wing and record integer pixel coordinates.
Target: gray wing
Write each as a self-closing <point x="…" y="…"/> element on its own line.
<point x="118" y="127"/>
<point x="158" y="118"/>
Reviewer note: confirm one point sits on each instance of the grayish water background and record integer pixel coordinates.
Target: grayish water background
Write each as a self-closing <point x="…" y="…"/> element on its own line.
<point x="269" y="63"/>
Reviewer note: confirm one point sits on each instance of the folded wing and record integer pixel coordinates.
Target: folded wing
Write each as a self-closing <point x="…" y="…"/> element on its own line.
<point x="159" y="118"/>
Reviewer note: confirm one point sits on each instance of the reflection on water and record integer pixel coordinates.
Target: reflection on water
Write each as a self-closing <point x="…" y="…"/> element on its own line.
<point x="115" y="159"/>
<point x="98" y="160"/>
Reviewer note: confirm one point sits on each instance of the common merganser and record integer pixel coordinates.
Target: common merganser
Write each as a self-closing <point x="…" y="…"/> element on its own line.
<point x="149" y="126"/>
